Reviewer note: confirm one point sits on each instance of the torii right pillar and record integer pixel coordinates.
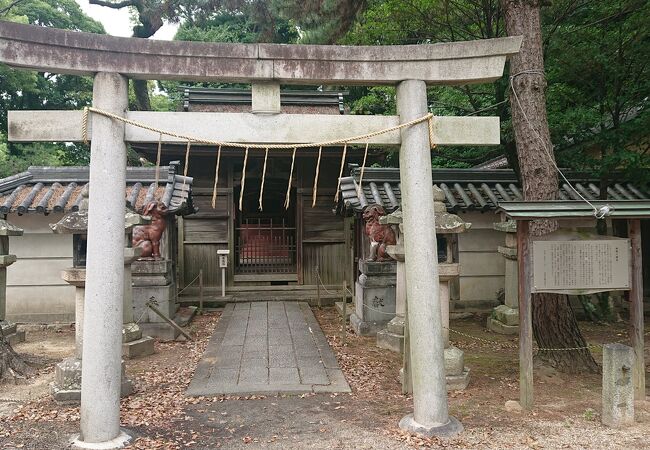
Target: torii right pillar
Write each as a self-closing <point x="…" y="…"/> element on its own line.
<point x="431" y="415"/>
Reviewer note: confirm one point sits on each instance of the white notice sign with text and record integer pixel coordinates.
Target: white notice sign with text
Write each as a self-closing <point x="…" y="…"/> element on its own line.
<point x="581" y="266"/>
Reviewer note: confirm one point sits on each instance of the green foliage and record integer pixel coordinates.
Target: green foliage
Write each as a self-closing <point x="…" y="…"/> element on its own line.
<point x="597" y="64"/>
<point x="21" y="90"/>
<point x="598" y="307"/>
<point x="23" y="156"/>
<point x="225" y="26"/>
<point x="319" y="21"/>
<point x="399" y="22"/>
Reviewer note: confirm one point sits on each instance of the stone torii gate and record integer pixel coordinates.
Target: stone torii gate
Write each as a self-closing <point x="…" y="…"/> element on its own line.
<point x="113" y="60"/>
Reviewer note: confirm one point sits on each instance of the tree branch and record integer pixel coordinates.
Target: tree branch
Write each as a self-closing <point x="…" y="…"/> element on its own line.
<point x="109" y="4"/>
<point x="6" y="9"/>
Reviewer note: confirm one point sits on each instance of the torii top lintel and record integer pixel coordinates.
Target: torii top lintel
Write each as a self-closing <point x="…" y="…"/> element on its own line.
<point x="70" y="52"/>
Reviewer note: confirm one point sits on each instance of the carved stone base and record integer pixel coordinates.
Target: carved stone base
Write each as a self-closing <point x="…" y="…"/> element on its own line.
<point x="365" y="328"/>
<point x="11" y="333"/>
<point x="457" y="374"/>
<point x="392" y="338"/>
<point x="66" y="387"/>
<point x="138" y="348"/>
<point x="374" y="297"/>
<point x="134" y="345"/>
<point x="504" y="320"/>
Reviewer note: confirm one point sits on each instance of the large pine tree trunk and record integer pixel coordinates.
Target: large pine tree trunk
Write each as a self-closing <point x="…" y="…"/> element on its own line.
<point x="554" y="323"/>
<point x="12" y="367"/>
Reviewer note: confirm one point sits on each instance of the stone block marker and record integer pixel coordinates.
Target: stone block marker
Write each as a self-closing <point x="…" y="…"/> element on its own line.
<point x="267" y="348"/>
<point x="618" y="389"/>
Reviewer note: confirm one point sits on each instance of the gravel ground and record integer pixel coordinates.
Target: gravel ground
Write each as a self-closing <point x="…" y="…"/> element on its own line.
<point x="566" y="412"/>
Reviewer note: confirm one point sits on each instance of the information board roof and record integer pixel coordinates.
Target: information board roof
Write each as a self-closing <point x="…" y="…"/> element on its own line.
<point x="573" y="209"/>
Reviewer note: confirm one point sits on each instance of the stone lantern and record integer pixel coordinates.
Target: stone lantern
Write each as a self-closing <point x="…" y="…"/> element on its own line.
<point x="67" y="385"/>
<point x="505" y="318"/>
<point x="447" y="227"/>
<point x="133" y="343"/>
<point x="8" y="329"/>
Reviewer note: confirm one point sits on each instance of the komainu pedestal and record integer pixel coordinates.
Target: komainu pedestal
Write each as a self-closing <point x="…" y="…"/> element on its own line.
<point x="153" y="281"/>
<point x="375" y="297"/>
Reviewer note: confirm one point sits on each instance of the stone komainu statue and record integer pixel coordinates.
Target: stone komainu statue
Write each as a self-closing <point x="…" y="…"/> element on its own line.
<point x="380" y="235"/>
<point x="148" y="237"/>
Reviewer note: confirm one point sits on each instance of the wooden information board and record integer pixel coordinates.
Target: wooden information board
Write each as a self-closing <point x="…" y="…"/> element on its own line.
<point x="578" y="264"/>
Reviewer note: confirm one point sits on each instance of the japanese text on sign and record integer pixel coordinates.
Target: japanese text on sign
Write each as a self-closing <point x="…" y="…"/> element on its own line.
<point x="583" y="265"/>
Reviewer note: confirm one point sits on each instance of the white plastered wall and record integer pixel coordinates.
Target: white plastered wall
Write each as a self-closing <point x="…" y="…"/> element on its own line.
<point x="35" y="291"/>
<point x="482" y="268"/>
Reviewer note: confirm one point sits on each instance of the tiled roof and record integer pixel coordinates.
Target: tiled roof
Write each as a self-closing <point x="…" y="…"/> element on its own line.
<point x="296" y="97"/>
<point x="469" y="189"/>
<point x="500" y="162"/>
<point x="58" y="189"/>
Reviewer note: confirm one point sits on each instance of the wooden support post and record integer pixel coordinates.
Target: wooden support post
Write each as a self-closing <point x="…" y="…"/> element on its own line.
<point x="345" y="313"/>
<point x="318" y="288"/>
<point x="200" y="291"/>
<point x="168" y="320"/>
<point x="525" y="316"/>
<point x="636" y="310"/>
<point x="180" y="268"/>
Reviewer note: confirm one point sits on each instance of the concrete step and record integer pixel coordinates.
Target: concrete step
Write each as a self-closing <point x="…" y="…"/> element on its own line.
<point x="270" y="296"/>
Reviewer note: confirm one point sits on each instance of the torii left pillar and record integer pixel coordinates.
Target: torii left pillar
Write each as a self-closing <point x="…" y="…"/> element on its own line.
<point x="102" y="328"/>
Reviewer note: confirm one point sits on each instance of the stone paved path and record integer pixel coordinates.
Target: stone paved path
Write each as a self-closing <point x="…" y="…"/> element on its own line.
<point x="267" y="348"/>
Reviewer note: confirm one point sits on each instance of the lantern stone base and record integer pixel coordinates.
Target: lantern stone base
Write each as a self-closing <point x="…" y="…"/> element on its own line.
<point x="133" y="344"/>
<point x="504" y="320"/>
<point x="375" y="297"/>
<point x="392" y="337"/>
<point x="66" y="387"/>
<point x="11" y="333"/>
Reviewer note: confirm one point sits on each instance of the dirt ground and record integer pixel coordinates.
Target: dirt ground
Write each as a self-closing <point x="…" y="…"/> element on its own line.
<point x="565" y="415"/>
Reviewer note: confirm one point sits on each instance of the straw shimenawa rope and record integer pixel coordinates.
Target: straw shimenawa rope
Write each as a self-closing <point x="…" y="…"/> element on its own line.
<point x="243" y="181"/>
<point x="315" y="193"/>
<point x="363" y="169"/>
<point x="287" y="200"/>
<point x="158" y="156"/>
<point x="187" y="162"/>
<point x="216" y="179"/>
<point x="266" y="156"/>
<point x="196" y="140"/>
<point x="191" y="139"/>
<point x="338" y="183"/>
<point x="84" y="125"/>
